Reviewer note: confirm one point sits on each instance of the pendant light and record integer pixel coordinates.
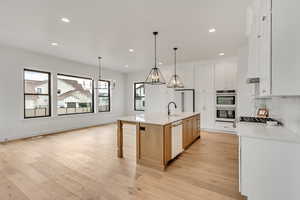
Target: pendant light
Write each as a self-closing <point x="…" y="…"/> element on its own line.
<point x="100" y="72"/>
<point x="155" y="76"/>
<point x="175" y="81"/>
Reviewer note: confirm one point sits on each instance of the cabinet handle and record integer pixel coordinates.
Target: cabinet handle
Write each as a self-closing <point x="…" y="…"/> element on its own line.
<point x="258" y="36"/>
<point x="264" y="18"/>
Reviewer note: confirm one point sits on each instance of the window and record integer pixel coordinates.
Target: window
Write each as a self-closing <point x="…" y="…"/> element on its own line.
<point x="139" y="96"/>
<point x="37" y="98"/>
<point x="74" y="95"/>
<point x="104" y="96"/>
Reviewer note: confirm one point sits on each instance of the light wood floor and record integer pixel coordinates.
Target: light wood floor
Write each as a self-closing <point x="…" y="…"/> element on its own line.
<point x="83" y="164"/>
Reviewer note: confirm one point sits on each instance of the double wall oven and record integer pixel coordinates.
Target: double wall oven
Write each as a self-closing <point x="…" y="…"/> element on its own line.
<point x="225" y="106"/>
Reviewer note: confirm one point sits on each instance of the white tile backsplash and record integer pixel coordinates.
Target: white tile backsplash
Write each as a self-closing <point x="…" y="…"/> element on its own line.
<point x="285" y="109"/>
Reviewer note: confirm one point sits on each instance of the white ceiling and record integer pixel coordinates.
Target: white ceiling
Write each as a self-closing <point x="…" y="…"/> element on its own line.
<point x="110" y="27"/>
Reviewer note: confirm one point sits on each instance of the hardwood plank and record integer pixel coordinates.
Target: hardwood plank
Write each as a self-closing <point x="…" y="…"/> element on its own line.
<point x="82" y="164"/>
<point x="120" y="139"/>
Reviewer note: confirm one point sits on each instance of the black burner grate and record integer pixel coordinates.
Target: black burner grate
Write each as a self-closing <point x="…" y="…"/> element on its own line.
<point x="256" y="119"/>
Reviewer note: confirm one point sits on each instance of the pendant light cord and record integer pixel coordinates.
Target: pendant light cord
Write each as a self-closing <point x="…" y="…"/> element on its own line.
<point x="99" y="60"/>
<point x="155" y="56"/>
<point x="175" y="63"/>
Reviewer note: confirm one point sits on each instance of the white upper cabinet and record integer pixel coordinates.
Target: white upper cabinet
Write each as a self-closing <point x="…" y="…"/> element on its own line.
<point x="265" y="47"/>
<point x="274" y="44"/>
<point x="259" y="37"/>
<point x="226" y="75"/>
<point x="285" y="47"/>
<point x="253" y="33"/>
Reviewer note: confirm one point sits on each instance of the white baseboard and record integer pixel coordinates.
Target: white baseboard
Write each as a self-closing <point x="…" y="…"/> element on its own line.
<point x="219" y="131"/>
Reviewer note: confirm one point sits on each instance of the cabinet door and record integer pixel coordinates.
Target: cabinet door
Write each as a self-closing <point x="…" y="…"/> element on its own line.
<point x="254" y="39"/>
<point x="225" y="75"/>
<point x="168" y="143"/>
<point x="195" y="132"/>
<point x="191" y="132"/>
<point x="151" y="136"/>
<point x="219" y="77"/>
<point x="199" y="125"/>
<point x="185" y="130"/>
<point x="205" y="94"/>
<point x="276" y="176"/>
<point x="265" y="48"/>
<point x="188" y="133"/>
<point x="285" y="47"/>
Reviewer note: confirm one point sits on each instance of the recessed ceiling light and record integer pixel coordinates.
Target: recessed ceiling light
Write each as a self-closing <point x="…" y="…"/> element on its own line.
<point x="66" y="20"/>
<point x="54" y="44"/>
<point x="160" y="63"/>
<point x="212" y="30"/>
<point x="126" y="66"/>
<point x="221" y="54"/>
<point x="131" y="50"/>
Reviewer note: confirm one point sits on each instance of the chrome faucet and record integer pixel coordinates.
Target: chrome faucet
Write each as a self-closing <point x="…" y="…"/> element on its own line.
<point x="172" y="102"/>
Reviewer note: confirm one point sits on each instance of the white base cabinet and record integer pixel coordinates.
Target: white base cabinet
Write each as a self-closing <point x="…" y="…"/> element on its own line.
<point x="269" y="170"/>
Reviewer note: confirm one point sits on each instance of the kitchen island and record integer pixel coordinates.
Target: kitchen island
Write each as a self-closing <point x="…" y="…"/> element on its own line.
<point x="159" y="137"/>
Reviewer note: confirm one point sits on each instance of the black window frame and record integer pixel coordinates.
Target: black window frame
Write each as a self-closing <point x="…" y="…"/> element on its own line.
<point x="93" y="101"/>
<point x="36" y="94"/>
<point x="109" y="97"/>
<point x="135" y="95"/>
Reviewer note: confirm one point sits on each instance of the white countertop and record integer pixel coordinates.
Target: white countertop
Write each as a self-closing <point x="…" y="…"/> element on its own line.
<point x="157" y="118"/>
<point x="263" y="131"/>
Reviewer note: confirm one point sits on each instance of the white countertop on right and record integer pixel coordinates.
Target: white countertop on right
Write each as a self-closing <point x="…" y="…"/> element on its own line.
<point x="263" y="131"/>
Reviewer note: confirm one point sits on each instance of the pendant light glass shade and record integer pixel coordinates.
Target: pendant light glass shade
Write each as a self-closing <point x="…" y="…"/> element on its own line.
<point x="175" y="81"/>
<point x="155" y="77"/>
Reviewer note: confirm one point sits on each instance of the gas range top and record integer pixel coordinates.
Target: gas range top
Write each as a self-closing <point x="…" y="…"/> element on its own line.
<point x="256" y="119"/>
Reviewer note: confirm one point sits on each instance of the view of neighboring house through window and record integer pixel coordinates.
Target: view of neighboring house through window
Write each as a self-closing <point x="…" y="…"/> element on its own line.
<point x="139" y="97"/>
<point x="75" y="95"/>
<point x="36" y="94"/>
<point x="104" y="96"/>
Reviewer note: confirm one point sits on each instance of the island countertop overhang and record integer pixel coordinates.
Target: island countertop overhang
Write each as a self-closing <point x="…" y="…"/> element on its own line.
<point x="157" y="118"/>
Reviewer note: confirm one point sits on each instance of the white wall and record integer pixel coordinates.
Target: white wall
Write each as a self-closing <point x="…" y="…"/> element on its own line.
<point x="12" y="123"/>
<point x="285" y="109"/>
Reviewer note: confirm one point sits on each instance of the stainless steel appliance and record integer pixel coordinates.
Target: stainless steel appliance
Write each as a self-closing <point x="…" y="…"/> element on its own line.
<point x="258" y="120"/>
<point x="225" y="109"/>
<point x="225" y="114"/>
<point x="226" y="98"/>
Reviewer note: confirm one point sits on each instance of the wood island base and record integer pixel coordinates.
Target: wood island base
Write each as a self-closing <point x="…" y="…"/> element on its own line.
<point x="154" y="141"/>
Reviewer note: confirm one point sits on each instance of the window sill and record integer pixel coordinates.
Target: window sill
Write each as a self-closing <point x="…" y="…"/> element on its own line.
<point x="76" y="115"/>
